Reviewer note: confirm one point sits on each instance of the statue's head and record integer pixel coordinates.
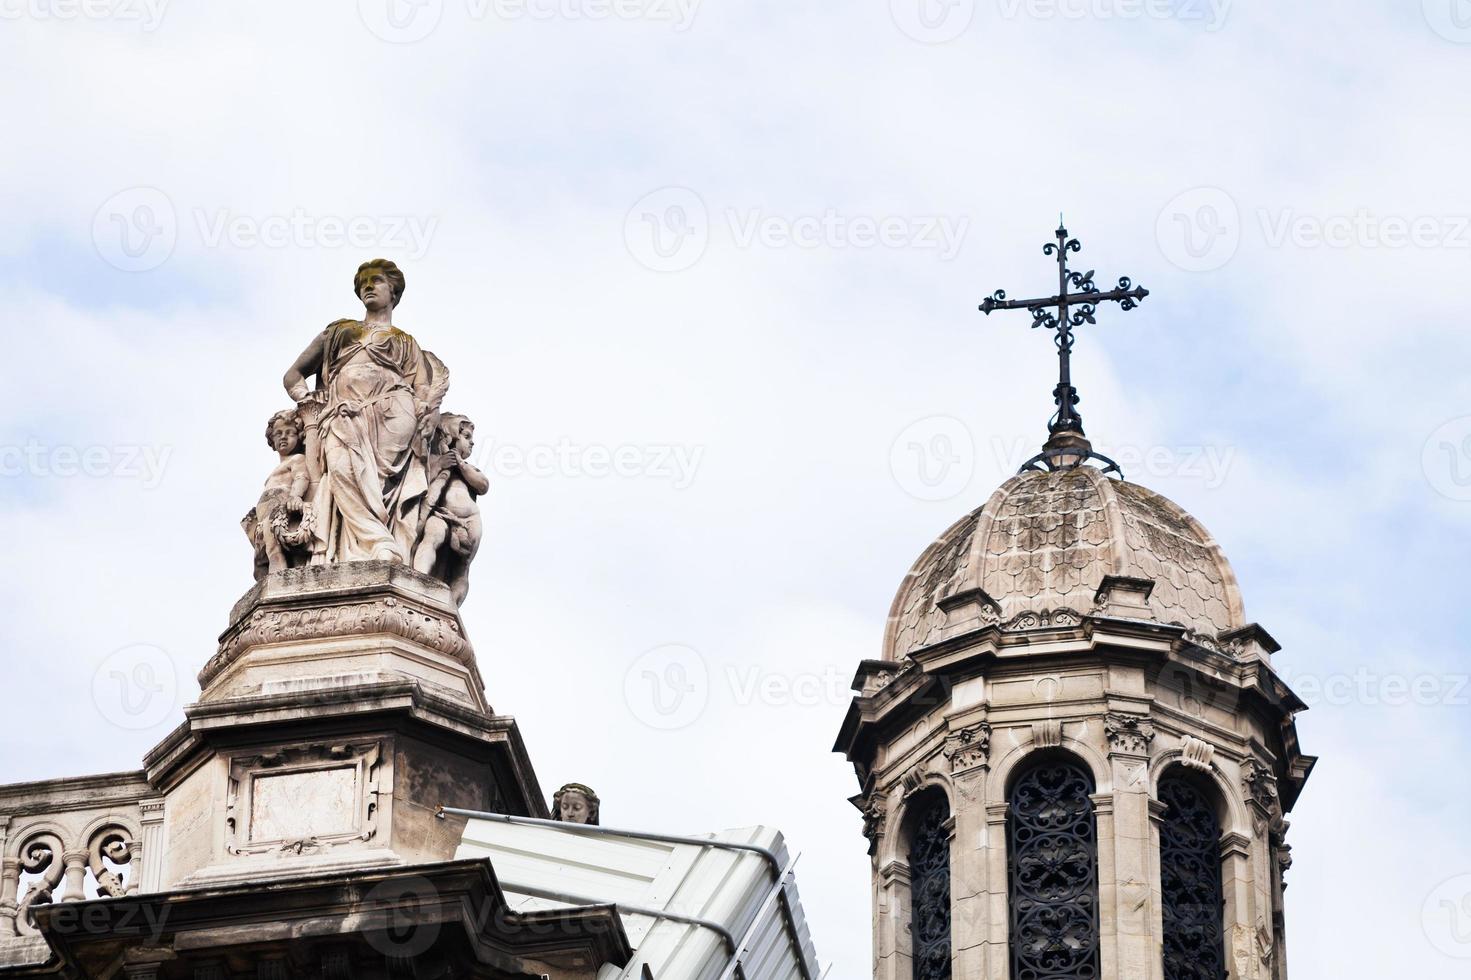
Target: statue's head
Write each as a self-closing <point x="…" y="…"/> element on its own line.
<point x="455" y="432"/>
<point x="284" y="432"/>
<point x="379" y="284"/>
<point x="575" y="803"/>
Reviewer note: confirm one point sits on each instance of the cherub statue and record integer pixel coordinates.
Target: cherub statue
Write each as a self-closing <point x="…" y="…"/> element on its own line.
<point x="279" y="525"/>
<point x="450" y="518"/>
<point x="576" y="803"/>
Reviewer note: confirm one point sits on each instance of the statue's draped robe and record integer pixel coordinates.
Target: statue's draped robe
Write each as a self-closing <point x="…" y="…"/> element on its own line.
<point x="372" y="463"/>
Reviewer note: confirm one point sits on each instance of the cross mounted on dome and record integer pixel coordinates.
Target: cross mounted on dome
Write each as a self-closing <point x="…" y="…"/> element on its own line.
<point x="1066" y="446"/>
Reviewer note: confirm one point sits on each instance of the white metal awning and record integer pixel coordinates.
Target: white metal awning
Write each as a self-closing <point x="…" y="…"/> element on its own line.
<point x="720" y="907"/>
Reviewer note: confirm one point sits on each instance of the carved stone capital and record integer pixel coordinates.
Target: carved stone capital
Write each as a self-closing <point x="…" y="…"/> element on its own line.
<point x="1128" y="734"/>
<point x="968" y="748"/>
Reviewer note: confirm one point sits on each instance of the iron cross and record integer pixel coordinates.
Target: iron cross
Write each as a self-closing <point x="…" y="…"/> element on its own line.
<point x="1073" y="310"/>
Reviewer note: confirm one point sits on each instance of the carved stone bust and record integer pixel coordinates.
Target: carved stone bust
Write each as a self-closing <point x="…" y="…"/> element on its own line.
<point x="576" y="803"/>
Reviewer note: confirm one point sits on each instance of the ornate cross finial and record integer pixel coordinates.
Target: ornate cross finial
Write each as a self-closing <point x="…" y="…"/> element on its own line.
<point x="1066" y="445"/>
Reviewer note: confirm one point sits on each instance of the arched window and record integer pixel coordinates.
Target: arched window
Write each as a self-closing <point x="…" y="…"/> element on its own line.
<point x="1190" y="880"/>
<point x="929" y="887"/>
<point x="1053" y="846"/>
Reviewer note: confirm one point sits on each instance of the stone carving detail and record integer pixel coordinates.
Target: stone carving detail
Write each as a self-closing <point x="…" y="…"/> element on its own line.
<point x="874" y="808"/>
<point x="1197" y="754"/>
<point x="968" y="748"/>
<point x="1044" y="619"/>
<point x="449" y="516"/>
<point x="384" y="615"/>
<point x="69" y="869"/>
<point x="1128" y="733"/>
<point x="576" y="803"/>
<point x="912" y="780"/>
<point x="334" y="792"/>
<point x="1261" y="785"/>
<point x="279" y="526"/>
<point x="1047" y="734"/>
<point x="370" y="469"/>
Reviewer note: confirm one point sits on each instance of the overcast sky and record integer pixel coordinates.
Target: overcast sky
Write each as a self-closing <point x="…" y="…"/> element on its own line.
<point x="706" y="275"/>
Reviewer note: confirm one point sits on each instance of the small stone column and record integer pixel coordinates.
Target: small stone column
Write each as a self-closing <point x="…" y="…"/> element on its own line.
<point x="1126" y="860"/>
<point x="74" y="881"/>
<point x="9" y="885"/>
<point x="148" y="866"/>
<point x="997" y="961"/>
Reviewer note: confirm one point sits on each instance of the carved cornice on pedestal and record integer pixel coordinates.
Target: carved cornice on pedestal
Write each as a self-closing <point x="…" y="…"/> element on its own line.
<point x="1124" y="597"/>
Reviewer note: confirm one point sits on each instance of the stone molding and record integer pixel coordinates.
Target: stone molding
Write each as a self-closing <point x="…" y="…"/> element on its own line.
<point x="308" y="764"/>
<point x="1197" y="754"/>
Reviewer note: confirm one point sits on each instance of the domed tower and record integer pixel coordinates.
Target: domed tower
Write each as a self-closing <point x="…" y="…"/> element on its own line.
<point x="1075" y="757"/>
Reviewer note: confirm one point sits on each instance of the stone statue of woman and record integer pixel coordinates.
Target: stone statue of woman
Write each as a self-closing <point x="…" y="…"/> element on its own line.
<point x="368" y="423"/>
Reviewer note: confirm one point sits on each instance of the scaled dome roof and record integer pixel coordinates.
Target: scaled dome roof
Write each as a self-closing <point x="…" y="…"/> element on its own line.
<point x="1046" y="539"/>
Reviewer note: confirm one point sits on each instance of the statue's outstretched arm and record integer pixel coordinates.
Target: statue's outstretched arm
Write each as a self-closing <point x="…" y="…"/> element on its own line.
<point x="309" y="363"/>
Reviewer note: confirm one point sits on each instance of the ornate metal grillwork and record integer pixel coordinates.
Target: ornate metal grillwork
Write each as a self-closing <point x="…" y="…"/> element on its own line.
<point x="1054" y="875"/>
<point x="929" y="886"/>
<point x="1190" y="876"/>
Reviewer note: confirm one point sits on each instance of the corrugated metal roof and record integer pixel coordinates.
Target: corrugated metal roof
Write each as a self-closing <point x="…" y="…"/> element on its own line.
<point x="549" y="866"/>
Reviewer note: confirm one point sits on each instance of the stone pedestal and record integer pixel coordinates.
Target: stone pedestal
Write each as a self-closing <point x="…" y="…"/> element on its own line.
<point x="342" y="709"/>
